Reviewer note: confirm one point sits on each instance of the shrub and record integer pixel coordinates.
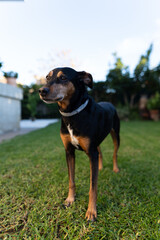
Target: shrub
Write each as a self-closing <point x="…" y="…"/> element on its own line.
<point x="154" y="102"/>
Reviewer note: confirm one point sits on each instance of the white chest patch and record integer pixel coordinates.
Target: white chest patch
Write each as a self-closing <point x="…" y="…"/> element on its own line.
<point x="74" y="140"/>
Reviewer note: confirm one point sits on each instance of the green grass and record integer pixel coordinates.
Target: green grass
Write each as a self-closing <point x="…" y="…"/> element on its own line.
<point x="34" y="184"/>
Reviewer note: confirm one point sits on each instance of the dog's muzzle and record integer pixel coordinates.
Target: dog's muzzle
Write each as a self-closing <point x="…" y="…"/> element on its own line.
<point x="43" y="91"/>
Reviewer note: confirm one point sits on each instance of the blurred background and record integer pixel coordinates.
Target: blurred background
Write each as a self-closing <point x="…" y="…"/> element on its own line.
<point x="118" y="42"/>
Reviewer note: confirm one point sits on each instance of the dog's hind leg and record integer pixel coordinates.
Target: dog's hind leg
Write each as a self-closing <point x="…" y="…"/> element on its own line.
<point x="100" y="163"/>
<point x="116" y="146"/>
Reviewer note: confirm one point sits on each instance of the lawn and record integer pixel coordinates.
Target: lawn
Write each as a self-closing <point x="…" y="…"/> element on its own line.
<point x="34" y="184"/>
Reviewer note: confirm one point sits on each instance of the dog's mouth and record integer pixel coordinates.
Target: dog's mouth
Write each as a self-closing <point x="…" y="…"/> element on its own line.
<point x="48" y="100"/>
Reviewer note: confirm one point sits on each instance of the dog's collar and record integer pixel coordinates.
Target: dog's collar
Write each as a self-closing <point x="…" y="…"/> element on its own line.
<point x="69" y="114"/>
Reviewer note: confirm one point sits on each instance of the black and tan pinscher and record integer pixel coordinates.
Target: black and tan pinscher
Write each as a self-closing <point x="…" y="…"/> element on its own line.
<point x="84" y="125"/>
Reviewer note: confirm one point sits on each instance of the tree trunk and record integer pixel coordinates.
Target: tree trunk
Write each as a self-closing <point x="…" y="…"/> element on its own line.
<point x="125" y="99"/>
<point x="132" y="100"/>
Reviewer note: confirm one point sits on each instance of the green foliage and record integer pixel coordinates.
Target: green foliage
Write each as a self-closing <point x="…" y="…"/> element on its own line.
<point x="119" y="79"/>
<point x="99" y="91"/>
<point x="33" y="99"/>
<point x="129" y="89"/>
<point x="34" y="184"/>
<point x="1" y="64"/>
<point x="10" y="74"/>
<point x="30" y="101"/>
<point x="32" y="105"/>
<point x="126" y="113"/>
<point x="24" y="110"/>
<point x="123" y="112"/>
<point x="143" y="65"/>
<point x="154" y="102"/>
<point x="151" y="83"/>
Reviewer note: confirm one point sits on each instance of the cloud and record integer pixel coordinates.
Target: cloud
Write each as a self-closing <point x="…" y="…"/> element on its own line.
<point x="157" y="21"/>
<point x="130" y="49"/>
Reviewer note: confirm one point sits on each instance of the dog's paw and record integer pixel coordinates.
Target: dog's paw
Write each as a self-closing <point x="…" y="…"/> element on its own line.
<point x="91" y="214"/>
<point x="69" y="201"/>
<point x="116" y="170"/>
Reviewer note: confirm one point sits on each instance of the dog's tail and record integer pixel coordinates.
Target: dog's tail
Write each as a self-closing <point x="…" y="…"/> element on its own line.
<point x="116" y="127"/>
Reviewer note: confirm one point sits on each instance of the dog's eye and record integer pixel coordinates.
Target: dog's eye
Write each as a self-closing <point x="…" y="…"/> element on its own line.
<point x="63" y="77"/>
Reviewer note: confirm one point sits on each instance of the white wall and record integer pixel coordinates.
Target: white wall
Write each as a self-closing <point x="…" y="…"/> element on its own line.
<point x="10" y="107"/>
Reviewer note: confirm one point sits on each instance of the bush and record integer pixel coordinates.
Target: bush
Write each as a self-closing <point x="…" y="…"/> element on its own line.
<point x="154" y="102"/>
<point x="34" y="107"/>
<point x="126" y="113"/>
<point x="32" y="104"/>
<point x="123" y="112"/>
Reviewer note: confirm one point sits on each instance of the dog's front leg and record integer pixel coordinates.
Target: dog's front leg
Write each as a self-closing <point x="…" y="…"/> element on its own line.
<point x="70" y="157"/>
<point x="91" y="213"/>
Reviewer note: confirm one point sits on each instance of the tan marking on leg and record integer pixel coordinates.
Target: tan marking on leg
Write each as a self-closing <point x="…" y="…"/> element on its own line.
<point x="65" y="139"/>
<point x="100" y="162"/>
<point x="71" y="173"/>
<point x="115" y="142"/>
<point x="91" y="213"/>
<point x="84" y="142"/>
<point x="70" y="157"/>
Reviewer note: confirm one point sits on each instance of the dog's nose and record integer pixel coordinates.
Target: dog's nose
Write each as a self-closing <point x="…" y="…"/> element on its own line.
<point x="43" y="91"/>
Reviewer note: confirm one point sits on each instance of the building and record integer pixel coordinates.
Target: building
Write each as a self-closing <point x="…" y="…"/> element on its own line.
<point x="3" y="79"/>
<point x="10" y="105"/>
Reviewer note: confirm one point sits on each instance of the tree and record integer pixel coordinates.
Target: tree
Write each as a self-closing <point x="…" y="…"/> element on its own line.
<point x="142" y="66"/>
<point x="152" y="81"/>
<point x="147" y="79"/>
<point x="119" y="79"/>
<point x="99" y="91"/>
<point x="33" y="106"/>
<point x="142" y="73"/>
<point x="25" y="112"/>
<point x="144" y="80"/>
<point x="30" y="100"/>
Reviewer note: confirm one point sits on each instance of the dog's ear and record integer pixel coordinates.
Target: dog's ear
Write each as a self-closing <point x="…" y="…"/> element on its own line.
<point x="86" y="78"/>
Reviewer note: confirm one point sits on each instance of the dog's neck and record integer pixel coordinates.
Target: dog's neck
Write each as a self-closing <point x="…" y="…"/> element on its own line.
<point x="76" y="111"/>
<point x="76" y="103"/>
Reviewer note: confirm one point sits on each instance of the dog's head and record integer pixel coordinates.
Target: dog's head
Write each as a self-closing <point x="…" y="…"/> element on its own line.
<point x="63" y="83"/>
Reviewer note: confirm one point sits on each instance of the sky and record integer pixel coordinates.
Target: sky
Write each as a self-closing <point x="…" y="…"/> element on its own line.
<point x="39" y="35"/>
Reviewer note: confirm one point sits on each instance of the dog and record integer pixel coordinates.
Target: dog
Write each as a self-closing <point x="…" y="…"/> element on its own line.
<point x="84" y="125"/>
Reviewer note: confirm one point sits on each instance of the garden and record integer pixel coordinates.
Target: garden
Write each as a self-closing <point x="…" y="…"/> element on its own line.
<point x="34" y="176"/>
